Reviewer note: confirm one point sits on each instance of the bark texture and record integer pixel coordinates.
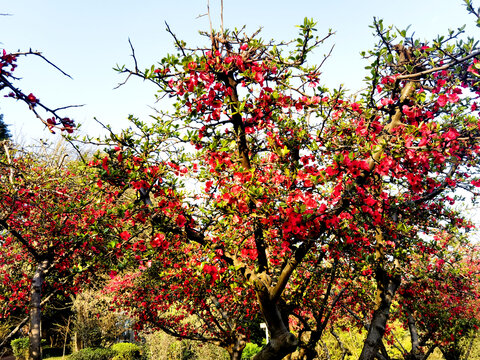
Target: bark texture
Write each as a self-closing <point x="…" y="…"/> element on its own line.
<point x="35" y="334"/>
<point x="282" y="341"/>
<point x="387" y="286"/>
<point x="416" y="352"/>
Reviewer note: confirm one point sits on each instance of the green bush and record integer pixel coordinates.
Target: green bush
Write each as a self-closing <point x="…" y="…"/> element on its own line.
<point x="183" y="350"/>
<point x="93" y="354"/>
<point x="20" y="348"/>
<point x="250" y="351"/>
<point x="126" y="351"/>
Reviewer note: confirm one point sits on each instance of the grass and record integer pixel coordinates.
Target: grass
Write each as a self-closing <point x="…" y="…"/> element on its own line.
<point x="57" y="358"/>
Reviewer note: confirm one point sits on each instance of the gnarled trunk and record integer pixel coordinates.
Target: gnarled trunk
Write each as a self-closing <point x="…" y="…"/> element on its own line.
<point x="35" y="334"/>
<point x="387" y="286"/>
<point x="282" y="341"/>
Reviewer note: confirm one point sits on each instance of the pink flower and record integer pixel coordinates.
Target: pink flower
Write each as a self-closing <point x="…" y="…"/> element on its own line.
<point x="453" y="98"/>
<point x="124" y="235"/>
<point x="386" y="101"/>
<point x="181" y="221"/>
<point x="442" y="100"/>
<point x="451" y="134"/>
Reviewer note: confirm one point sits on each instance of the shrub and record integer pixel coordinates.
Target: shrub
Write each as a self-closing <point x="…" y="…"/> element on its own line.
<point x="183" y="350"/>
<point x="93" y="354"/>
<point x="20" y="348"/>
<point x="126" y="351"/>
<point x="95" y="325"/>
<point x="250" y="351"/>
<point x="160" y="346"/>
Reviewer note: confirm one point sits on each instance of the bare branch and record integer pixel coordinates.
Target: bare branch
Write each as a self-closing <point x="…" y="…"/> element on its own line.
<point x="221" y="16"/>
<point x="179" y="45"/>
<point x="133" y="55"/>
<point x="39" y="54"/>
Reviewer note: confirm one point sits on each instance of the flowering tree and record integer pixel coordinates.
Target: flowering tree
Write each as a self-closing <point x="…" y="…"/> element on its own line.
<point x="263" y="172"/>
<point x="53" y="237"/>
<point x="440" y="298"/>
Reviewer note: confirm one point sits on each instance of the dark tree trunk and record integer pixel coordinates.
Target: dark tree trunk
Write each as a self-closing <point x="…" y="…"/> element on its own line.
<point x="387" y="286"/>
<point x="35" y="334"/>
<point x="416" y="352"/>
<point x="282" y="341"/>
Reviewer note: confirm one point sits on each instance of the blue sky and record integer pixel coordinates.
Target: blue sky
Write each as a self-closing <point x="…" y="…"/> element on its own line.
<point x="88" y="38"/>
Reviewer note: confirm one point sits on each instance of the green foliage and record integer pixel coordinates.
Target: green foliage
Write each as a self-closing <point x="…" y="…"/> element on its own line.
<point x="95" y="325"/>
<point x="93" y="354"/>
<point x="20" y="347"/>
<point x="183" y="350"/>
<point x="4" y="132"/>
<point x="119" y="351"/>
<point x="126" y="351"/>
<point x="250" y="351"/>
<point x="161" y="346"/>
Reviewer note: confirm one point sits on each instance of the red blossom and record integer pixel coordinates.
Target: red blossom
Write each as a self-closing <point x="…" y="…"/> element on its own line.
<point x="442" y="100"/>
<point x="181" y="221"/>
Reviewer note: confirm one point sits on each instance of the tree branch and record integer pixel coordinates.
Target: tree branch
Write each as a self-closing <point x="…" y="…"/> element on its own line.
<point x="439" y="68"/>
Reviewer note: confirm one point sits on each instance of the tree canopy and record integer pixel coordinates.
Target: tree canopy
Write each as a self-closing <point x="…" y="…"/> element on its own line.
<point x="262" y="175"/>
<point x="259" y="194"/>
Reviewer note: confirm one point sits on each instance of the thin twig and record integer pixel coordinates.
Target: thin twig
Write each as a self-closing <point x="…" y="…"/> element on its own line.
<point x="209" y="17"/>
<point x="133" y="55"/>
<point x="211" y="26"/>
<point x="68" y="107"/>
<point x="180" y="47"/>
<point x="76" y="149"/>
<point x="123" y="82"/>
<point x="39" y="54"/>
<point x="221" y="16"/>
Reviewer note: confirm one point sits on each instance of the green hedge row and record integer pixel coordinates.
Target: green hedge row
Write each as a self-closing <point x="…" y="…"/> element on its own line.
<point x="119" y="351"/>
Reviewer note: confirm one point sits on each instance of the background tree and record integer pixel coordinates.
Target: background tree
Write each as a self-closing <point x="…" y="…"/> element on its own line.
<point x="53" y="239"/>
<point x="95" y="324"/>
<point x="4" y="132"/>
<point x="440" y="306"/>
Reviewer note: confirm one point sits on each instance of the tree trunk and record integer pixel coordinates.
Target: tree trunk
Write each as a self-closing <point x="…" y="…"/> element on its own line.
<point x="387" y="286"/>
<point x="470" y="345"/>
<point x="235" y="350"/>
<point x="282" y="341"/>
<point x="416" y="352"/>
<point x="235" y="355"/>
<point x="35" y="351"/>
